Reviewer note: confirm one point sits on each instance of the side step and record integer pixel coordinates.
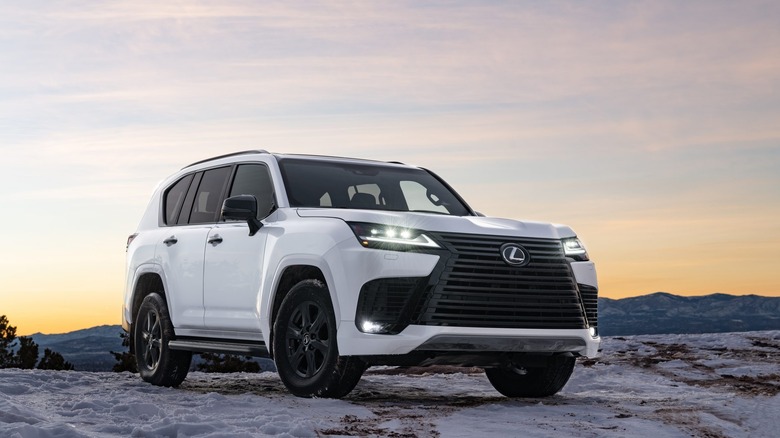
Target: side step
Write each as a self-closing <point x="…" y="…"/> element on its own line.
<point x="200" y="345"/>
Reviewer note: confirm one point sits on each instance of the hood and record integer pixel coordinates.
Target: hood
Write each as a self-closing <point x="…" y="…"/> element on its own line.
<point x="444" y="223"/>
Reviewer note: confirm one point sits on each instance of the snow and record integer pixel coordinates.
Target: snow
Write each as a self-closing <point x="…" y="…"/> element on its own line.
<point x="714" y="385"/>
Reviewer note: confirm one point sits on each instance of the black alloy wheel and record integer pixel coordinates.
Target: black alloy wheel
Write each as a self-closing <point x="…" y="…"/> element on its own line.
<point x="305" y="347"/>
<point x="151" y="339"/>
<point x="158" y="364"/>
<point x="307" y="339"/>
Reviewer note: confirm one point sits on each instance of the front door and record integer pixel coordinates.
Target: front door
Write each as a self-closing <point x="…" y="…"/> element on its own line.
<point x="233" y="270"/>
<point x="232" y="278"/>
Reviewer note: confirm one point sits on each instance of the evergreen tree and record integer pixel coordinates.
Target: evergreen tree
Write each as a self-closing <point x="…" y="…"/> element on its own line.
<point x="125" y="361"/>
<point x="27" y="355"/>
<point x="227" y="363"/>
<point x="53" y="361"/>
<point x="7" y="337"/>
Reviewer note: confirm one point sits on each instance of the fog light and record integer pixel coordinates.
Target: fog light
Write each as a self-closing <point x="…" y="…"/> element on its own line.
<point x="371" y="327"/>
<point x="594" y="332"/>
<point x="379" y="328"/>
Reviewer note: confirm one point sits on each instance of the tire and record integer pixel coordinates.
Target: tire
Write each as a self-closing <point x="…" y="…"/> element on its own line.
<point x="305" y="348"/>
<point x="536" y="382"/>
<point x="152" y="330"/>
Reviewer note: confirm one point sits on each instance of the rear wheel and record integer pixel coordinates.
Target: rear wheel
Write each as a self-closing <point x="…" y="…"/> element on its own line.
<point x="305" y="348"/>
<point x="513" y="381"/>
<point x="152" y="330"/>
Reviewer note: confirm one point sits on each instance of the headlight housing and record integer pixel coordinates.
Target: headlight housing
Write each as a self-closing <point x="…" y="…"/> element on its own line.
<point x="390" y="237"/>
<point x="573" y="248"/>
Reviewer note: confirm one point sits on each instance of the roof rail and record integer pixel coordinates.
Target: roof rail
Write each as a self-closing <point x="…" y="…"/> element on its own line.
<point x="257" y="151"/>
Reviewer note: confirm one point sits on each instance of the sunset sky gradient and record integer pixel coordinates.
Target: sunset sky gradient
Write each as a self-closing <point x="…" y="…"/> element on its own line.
<point x="652" y="128"/>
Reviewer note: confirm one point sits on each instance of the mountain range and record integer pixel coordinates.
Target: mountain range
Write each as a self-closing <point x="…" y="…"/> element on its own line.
<point x="661" y="313"/>
<point x="658" y="313"/>
<point x="87" y="349"/>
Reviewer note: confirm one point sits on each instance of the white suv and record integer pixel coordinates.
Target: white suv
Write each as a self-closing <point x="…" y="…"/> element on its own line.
<point x="330" y="265"/>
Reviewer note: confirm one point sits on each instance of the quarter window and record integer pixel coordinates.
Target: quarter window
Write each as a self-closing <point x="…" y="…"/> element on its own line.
<point x="174" y="199"/>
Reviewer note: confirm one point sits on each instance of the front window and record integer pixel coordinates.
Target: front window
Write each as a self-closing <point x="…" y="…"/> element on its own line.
<point x="327" y="184"/>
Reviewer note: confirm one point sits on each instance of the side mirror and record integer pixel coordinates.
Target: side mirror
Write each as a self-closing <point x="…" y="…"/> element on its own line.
<point x="242" y="208"/>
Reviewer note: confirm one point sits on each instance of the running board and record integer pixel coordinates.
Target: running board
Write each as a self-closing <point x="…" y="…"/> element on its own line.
<point x="257" y="348"/>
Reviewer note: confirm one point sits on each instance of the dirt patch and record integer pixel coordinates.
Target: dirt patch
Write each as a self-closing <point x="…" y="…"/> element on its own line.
<point x="351" y="425"/>
<point x="688" y="419"/>
<point x="263" y="384"/>
<point x="700" y="363"/>
<point x="765" y="343"/>
<point x="766" y="385"/>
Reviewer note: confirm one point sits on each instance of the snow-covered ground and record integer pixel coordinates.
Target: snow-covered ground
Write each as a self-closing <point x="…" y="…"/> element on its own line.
<point x="711" y="385"/>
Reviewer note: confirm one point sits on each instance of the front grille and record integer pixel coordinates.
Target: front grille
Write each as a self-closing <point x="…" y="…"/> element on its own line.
<point x="477" y="289"/>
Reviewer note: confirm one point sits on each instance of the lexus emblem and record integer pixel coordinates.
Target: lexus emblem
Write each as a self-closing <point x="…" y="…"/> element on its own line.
<point x="515" y="255"/>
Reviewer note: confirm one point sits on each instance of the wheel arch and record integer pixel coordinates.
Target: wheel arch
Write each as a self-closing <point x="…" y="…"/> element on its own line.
<point x="146" y="283"/>
<point x="290" y="276"/>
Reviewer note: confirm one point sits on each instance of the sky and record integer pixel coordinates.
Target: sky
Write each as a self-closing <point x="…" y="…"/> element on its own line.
<point x="652" y="128"/>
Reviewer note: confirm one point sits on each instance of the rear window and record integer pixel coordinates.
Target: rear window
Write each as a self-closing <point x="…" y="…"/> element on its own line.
<point x="326" y="184"/>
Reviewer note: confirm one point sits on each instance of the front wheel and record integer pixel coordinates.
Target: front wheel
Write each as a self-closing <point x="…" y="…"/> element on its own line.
<point x="544" y="381"/>
<point x="305" y="348"/>
<point x="152" y="330"/>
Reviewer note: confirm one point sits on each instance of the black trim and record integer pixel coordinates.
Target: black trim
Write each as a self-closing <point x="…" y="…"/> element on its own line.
<point x="515" y="344"/>
<point x="483" y="359"/>
<point x="221" y="346"/>
<point x="590" y="300"/>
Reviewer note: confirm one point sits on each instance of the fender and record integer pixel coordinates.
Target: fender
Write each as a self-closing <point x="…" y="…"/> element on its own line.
<point x="145" y="268"/>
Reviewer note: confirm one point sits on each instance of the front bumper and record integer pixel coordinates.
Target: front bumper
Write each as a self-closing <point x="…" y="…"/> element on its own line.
<point x="467" y="339"/>
<point x="469" y="300"/>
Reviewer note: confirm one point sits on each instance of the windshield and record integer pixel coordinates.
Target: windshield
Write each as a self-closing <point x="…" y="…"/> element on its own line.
<point x="328" y="184"/>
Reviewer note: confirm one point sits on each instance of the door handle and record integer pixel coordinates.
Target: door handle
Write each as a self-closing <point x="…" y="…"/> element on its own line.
<point x="171" y="241"/>
<point x="215" y="239"/>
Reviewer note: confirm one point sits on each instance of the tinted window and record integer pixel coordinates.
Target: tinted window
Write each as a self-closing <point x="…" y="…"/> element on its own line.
<point x="254" y="179"/>
<point x="206" y="205"/>
<point x="327" y="184"/>
<point x="184" y="216"/>
<point x="174" y="198"/>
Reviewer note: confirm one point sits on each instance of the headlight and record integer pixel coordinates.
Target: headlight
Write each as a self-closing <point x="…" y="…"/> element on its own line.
<point x="575" y="249"/>
<point x="390" y="237"/>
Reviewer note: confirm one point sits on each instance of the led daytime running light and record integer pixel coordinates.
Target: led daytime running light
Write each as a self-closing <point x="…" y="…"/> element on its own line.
<point x="574" y="248"/>
<point x="374" y="234"/>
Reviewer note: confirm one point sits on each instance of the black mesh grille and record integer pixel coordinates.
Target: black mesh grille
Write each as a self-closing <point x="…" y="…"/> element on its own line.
<point x="477" y="289"/>
<point x="386" y="300"/>
<point x="590" y="298"/>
